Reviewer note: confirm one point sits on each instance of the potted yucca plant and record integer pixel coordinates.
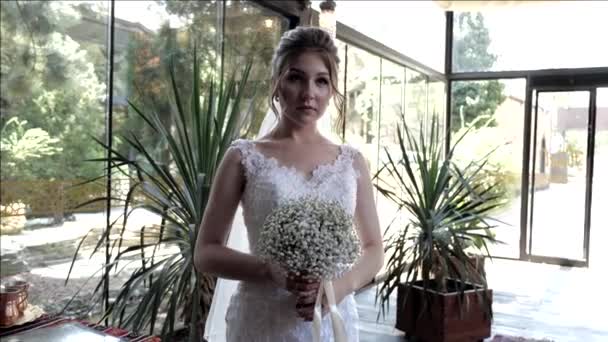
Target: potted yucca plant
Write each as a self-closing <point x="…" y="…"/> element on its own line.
<point x="173" y="185"/>
<point x="444" y="212"/>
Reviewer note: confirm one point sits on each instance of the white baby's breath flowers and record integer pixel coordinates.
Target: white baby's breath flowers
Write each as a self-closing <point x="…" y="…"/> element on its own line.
<point x="309" y="236"/>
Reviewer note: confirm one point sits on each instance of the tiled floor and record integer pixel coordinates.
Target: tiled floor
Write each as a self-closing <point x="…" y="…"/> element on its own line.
<point x="371" y="329"/>
<point x="530" y="300"/>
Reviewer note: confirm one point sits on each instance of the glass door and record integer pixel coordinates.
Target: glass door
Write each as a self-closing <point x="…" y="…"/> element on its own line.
<point x="560" y="173"/>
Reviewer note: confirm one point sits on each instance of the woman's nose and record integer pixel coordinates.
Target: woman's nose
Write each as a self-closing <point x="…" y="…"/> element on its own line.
<point x="308" y="91"/>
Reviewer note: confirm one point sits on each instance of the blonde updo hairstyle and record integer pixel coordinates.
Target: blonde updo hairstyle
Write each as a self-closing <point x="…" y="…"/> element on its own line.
<point x="306" y="39"/>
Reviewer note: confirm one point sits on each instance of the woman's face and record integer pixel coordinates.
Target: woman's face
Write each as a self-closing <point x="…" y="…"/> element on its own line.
<point x="305" y="89"/>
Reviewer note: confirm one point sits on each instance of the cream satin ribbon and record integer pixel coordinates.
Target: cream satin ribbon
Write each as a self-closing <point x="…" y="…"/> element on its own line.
<point x="336" y="319"/>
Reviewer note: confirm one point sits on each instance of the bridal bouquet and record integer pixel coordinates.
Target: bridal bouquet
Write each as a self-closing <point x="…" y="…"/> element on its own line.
<point x="313" y="237"/>
<point x="309" y="236"/>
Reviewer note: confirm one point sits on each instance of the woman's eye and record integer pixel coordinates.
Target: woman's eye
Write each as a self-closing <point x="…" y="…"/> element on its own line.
<point x="323" y="81"/>
<point x="293" y="77"/>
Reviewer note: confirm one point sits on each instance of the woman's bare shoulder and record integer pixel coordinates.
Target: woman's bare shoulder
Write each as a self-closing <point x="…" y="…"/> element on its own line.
<point x="232" y="158"/>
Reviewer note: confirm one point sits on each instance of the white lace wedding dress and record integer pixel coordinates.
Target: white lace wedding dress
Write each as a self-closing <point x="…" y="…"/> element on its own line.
<point x="263" y="312"/>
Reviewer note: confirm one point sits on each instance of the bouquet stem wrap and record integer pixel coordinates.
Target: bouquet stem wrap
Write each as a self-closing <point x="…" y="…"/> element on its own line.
<point x="339" y="330"/>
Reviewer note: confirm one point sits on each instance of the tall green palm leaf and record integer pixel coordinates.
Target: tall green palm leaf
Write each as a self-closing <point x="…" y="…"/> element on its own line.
<point x="176" y="189"/>
<point x="447" y="209"/>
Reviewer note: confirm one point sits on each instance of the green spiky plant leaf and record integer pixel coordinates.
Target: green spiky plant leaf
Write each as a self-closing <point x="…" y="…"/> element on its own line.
<point x="175" y="188"/>
<point x="444" y="209"/>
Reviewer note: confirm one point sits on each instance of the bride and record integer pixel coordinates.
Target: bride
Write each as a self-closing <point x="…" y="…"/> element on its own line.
<point x="294" y="159"/>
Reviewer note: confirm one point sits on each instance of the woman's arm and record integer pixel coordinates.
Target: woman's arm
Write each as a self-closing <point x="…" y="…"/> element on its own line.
<point x="368" y="230"/>
<point x="211" y="254"/>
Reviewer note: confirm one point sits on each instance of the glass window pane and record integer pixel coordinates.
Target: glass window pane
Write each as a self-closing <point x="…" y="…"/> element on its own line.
<point x="53" y="97"/>
<point x="251" y="34"/>
<point x="495" y="110"/>
<point x="552" y="34"/>
<point x="153" y="35"/>
<point x="559" y="160"/>
<point x="386" y="22"/>
<point x="436" y="104"/>
<point x="393" y="92"/>
<point x="156" y="37"/>
<point x="415" y="100"/>
<point x="363" y="103"/>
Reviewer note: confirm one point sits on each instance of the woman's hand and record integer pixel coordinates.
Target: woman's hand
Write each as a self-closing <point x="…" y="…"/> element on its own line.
<point x="306" y="302"/>
<point x="305" y="289"/>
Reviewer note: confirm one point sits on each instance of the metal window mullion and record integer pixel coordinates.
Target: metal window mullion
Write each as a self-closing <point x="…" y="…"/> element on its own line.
<point x="590" y="162"/>
<point x="449" y="42"/>
<point x="592" y="72"/>
<point x="448" y="117"/>
<point x="525" y="173"/>
<point x="533" y="173"/>
<point x="109" y="134"/>
<point x="221" y="23"/>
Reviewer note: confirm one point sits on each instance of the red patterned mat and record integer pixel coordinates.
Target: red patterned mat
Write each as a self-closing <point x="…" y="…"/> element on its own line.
<point x="46" y="321"/>
<point x="503" y="338"/>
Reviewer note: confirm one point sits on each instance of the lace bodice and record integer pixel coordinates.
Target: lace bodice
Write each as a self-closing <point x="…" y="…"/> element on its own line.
<point x="262" y="312"/>
<point x="269" y="184"/>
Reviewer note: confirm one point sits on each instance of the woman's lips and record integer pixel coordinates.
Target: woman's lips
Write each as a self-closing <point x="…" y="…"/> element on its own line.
<point x="306" y="108"/>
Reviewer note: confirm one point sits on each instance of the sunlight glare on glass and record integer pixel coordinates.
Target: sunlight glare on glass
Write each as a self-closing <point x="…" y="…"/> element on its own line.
<point x="149" y="14"/>
<point x="413" y="28"/>
<point x="602" y="97"/>
<point x="548" y="35"/>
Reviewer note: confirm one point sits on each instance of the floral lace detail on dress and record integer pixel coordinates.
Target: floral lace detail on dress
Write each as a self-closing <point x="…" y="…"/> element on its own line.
<point x="269" y="184"/>
<point x="262" y="312"/>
